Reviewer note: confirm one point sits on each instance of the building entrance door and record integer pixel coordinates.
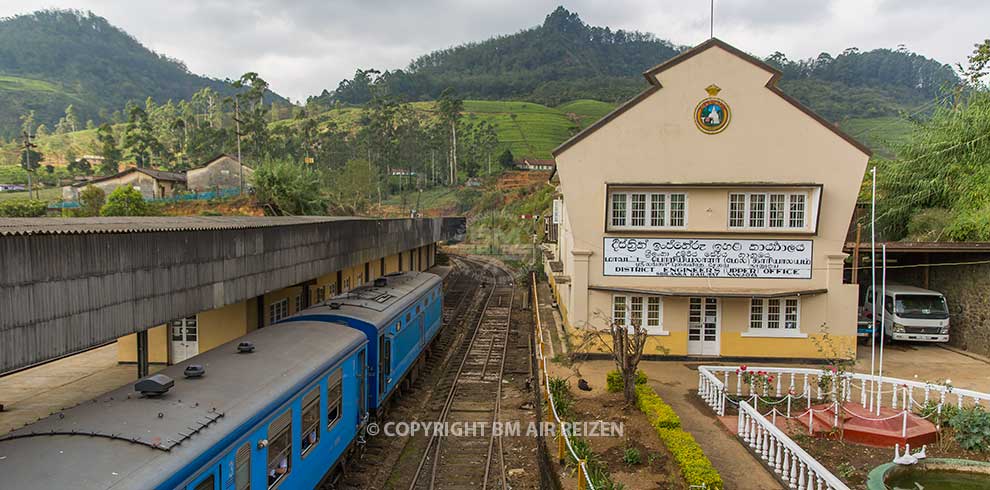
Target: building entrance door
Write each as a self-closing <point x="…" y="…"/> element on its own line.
<point x="185" y="339"/>
<point x="704" y="327"/>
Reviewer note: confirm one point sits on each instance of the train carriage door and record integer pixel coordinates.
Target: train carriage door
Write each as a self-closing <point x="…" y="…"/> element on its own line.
<point x="362" y="375"/>
<point x="184" y="339"/>
<point x="384" y="363"/>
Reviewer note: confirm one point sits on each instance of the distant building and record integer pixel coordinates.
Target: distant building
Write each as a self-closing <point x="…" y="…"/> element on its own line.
<point x="220" y="172"/>
<point x="473" y="182"/>
<point x="12" y="187"/>
<point x="531" y="164"/>
<point x="402" y="172"/>
<point x="149" y="182"/>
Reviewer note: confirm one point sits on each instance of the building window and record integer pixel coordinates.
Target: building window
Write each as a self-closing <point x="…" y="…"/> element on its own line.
<point x="644" y="311"/>
<point x="347" y="284"/>
<point x="648" y="210"/>
<point x="321" y="294"/>
<point x="279" y="448"/>
<point x="278" y="310"/>
<point x="797" y="211"/>
<point x="767" y="210"/>
<point x="774" y="315"/>
<point x="737" y="210"/>
<point x="776" y="219"/>
<point x="298" y="303"/>
<point x="310" y="420"/>
<point x="618" y="210"/>
<point x="638" y="202"/>
<point x="658" y="205"/>
<point x="757" y="210"/>
<point x="335" y="395"/>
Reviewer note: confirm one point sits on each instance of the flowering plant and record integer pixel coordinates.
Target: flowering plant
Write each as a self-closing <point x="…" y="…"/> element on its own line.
<point x="757" y="380"/>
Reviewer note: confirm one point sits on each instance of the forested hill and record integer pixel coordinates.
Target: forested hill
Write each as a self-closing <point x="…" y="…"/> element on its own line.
<point x="53" y="58"/>
<point x="565" y="59"/>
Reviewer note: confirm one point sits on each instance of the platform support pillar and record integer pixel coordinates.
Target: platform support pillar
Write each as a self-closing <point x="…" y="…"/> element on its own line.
<point x="142" y="354"/>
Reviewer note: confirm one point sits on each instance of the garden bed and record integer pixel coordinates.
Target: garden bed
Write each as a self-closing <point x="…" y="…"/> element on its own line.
<point x="655" y="468"/>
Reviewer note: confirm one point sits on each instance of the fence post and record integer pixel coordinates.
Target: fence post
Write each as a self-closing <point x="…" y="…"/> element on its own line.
<point x="582" y="483"/>
<point x="904" y="424"/>
<point x="560" y="447"/>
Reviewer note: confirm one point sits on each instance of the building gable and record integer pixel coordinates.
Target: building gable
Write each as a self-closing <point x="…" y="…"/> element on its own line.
<point x="653" y="76"/>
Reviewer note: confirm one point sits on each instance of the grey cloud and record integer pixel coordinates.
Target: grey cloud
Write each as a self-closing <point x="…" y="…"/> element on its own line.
<point x="304" y="46"/>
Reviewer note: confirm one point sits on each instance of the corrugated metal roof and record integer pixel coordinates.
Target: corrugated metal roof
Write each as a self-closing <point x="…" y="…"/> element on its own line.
<point x="144" y="224"/>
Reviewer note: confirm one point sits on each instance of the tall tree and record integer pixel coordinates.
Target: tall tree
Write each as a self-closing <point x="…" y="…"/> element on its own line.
<point x="72" y="117"/>
<point x="139" y="137"/>
<point x="450" y="107"/>
<point x="108" y="149"/>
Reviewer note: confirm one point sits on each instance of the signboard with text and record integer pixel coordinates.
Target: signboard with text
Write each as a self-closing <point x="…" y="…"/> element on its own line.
<point x="701" y="257"/>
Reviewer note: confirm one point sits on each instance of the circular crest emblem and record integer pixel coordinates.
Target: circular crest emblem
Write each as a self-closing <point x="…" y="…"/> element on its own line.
<point x="712" y="115"/>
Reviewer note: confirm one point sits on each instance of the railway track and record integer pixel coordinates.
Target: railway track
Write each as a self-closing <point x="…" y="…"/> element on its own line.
<point x="473" y="457"/>
<point x="461" y="296"/>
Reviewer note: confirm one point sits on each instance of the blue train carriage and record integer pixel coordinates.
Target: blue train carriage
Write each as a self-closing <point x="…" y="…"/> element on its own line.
<point x="400" y="314"/>
<point x="278" y="416"/>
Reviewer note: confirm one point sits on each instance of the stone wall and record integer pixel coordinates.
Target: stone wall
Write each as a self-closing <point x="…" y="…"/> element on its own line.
<point x="967" y="291"/>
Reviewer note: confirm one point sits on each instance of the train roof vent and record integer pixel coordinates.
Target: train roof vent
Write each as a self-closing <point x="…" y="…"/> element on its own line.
<point x="334" y="305"/>
<point x="194" y="371"/>
<point x="393" y="274"/>
<point x="154" y="385"/>
<point x="381" y="282"/>
<point x="381" y="298"/>
<point x="245" y="347"/>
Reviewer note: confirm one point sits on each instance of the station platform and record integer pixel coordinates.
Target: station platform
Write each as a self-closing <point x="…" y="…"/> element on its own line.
<point x="38" y="392"/>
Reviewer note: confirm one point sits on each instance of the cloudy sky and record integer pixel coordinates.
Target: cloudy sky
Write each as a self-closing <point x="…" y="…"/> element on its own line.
<point x="304" y="46"/>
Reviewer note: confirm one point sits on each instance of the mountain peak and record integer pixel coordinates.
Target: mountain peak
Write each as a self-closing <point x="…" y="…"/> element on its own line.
<point x="563" y="20"/>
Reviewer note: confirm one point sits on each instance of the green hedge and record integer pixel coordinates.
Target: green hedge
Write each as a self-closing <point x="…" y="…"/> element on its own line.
<point x="695" y="466"/>
<point x="614" y="383"/>
<point x="660" y="415"/>
<point x="23" y="208"/>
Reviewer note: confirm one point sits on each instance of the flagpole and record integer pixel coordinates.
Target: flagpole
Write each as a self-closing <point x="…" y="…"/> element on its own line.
<point x="883" y="319"/>
<point x="873" y="279"/>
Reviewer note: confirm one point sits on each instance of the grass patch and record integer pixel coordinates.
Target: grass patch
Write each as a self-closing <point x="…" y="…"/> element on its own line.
<point x="586" y="111"/>
<point x="20" y="84"/>
<point x="881" y="134"/>
<point x="47" y="194"/>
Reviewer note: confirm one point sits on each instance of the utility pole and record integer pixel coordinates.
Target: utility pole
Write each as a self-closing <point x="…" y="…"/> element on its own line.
<point x="453" y="152"/>
<point x="237" y="130"/>
<point x="28" y="145"/>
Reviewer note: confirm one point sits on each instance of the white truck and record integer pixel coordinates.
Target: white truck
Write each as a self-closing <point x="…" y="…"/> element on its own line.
<point x="913" y="313"/>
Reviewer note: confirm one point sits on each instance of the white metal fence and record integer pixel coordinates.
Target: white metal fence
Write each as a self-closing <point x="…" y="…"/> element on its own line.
<point x="790" y="393"/>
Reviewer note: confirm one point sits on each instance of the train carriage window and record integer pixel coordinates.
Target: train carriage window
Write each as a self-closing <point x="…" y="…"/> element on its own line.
<point x="398" y="325"/>
<point x="408" y="317"/>
<point x="418" y="309"/>
<point x="279" y="448"/>
<point x="335" y="396"/>
<point x="310" y="420"/>
<point x="206" y="484"/>
<point x="242" y="468"/>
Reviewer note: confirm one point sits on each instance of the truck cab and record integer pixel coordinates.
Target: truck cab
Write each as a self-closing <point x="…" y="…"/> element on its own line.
<point x="912" y="313"/>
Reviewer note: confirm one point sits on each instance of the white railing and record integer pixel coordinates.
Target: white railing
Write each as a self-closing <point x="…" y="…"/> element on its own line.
<point x="793" y="465"/>
<point x="716" y="383"/>
<point x="789" y="392"/>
